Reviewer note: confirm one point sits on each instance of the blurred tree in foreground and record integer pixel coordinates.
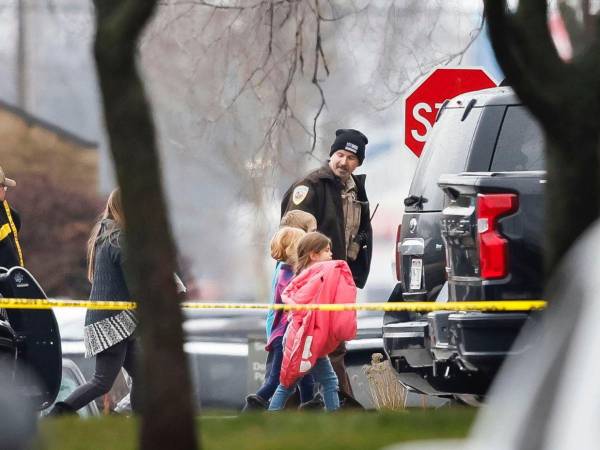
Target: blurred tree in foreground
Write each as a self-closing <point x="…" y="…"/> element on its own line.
<point x="167" y="411"/>
<point x="564" y="95"/>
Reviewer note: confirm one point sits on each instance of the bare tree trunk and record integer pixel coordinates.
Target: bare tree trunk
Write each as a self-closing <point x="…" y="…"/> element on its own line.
<point x="565" y="98"/>
<point x="166" y="403"/>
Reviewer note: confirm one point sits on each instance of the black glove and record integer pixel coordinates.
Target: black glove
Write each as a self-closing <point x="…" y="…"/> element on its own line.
<point x="362" y="239"/>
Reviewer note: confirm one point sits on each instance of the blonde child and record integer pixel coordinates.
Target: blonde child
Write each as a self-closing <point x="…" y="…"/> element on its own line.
<point x="299" y="219"/>
<point x="283" y="250"/>
<point x="312" y="335"/>
<point x="295" y="219"/>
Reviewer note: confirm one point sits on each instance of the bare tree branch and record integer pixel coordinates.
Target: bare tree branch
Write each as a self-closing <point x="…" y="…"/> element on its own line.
<point x="536" y="69"/>
<point x="531" y="21"/>
<point x="315" y="79"/>
<point x="410" y="77"/>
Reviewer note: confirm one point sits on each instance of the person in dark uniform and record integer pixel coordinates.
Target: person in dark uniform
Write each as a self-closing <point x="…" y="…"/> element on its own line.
<point x="338" y="200"/>
<point x="10" y="223"/>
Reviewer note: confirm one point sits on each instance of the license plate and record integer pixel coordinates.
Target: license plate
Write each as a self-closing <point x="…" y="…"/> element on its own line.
<point x="416" y="273"/>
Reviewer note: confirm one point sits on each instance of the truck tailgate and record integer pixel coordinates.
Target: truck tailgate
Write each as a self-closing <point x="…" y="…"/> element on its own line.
<point x="492" y="229"/>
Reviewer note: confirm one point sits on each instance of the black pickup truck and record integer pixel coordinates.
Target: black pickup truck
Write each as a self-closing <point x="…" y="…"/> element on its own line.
<point x="478" y="233"/>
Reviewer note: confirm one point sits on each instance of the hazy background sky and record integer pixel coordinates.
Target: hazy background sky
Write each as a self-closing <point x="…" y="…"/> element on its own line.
<point x="194" y="69"/>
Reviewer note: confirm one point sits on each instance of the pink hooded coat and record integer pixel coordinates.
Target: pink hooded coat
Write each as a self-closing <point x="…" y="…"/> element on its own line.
<point x="314" y="334"/>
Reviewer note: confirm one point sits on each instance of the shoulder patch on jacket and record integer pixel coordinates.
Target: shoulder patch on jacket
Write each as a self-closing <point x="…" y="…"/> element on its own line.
<point x="299" y="194"/>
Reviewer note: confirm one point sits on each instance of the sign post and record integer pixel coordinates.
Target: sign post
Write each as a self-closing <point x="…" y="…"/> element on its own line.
<point x="422" y="104"/>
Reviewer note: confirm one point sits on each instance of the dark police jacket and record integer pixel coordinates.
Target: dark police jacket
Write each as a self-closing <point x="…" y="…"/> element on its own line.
<point x="10" y="250"/>
<point x="320" y="193"/>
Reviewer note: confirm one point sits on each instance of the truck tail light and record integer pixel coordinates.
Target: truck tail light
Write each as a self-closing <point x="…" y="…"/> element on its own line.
<point x="493" y="247"/>
<point x="398" y="255"/>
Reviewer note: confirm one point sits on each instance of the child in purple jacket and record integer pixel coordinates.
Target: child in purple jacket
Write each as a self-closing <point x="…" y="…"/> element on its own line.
<point x="296" y="218"/>
<point x="283" y="249"/>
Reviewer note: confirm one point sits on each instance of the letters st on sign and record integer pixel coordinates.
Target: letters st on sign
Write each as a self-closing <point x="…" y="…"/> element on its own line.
<point x="422" y="104"/>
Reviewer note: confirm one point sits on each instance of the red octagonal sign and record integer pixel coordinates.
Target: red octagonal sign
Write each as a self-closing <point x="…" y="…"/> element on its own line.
<point x="422" y="104"/>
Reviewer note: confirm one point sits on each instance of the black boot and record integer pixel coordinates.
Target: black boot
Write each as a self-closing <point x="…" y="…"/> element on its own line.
<point x="314" y="404"/>
<point x="61" y="409"/>
<point x="255" y="403"/>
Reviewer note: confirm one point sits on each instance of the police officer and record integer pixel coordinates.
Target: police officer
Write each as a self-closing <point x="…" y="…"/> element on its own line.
<point x="10" y="223"/>
<point x="338" y="200"/>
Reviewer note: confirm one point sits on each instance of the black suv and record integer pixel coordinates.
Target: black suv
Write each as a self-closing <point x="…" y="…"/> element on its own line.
<point x="476" y="132"/>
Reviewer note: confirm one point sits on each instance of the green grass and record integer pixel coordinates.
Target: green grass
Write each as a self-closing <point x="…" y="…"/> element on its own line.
<point x="299" y="431"/>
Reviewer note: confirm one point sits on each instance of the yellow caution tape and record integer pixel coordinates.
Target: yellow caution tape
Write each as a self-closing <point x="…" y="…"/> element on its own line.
<point x="494" y="306"/>
<point x="29" y="303"/>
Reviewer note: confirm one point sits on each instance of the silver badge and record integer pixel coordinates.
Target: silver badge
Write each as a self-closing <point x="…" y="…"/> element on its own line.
<point x="300" y="193"/>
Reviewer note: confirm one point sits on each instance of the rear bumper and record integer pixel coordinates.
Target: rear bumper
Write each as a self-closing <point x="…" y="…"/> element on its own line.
<point x="453" y="352"/>
<point x="483" y="340"/>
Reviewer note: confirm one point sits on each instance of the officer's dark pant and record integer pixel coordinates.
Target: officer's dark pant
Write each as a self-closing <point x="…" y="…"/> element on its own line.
<point x="108" y="365"/>
<point x="337" y="361"/>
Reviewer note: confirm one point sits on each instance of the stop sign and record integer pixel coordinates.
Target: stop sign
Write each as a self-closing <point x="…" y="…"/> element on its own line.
<point x="422" y="104"/>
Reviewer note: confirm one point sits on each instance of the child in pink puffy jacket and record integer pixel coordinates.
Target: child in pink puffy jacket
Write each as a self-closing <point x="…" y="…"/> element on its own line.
<point x="283" y="249"/>
<point x="312" y="335"/>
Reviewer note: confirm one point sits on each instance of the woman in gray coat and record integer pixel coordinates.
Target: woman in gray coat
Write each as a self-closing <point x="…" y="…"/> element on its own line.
<point x="108" y="335"/>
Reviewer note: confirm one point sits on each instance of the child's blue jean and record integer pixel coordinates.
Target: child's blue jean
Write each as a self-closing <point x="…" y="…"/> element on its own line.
<point x="323" y="373"/>
<point x="274" y="360"/>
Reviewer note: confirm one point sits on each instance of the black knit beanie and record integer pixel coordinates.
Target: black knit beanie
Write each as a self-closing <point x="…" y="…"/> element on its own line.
<point x="350" y="140"/>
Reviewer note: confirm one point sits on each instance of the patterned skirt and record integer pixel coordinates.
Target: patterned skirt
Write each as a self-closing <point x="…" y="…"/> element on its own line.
<point x="105" y="333"/>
